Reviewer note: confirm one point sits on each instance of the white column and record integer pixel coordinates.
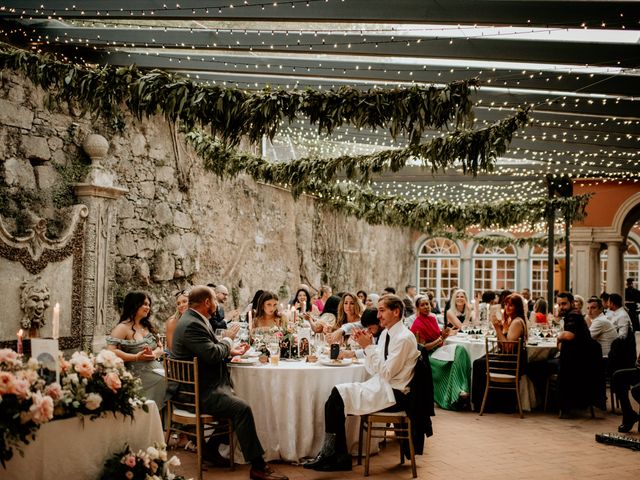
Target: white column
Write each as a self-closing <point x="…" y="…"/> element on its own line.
<point x="614" y="267"/>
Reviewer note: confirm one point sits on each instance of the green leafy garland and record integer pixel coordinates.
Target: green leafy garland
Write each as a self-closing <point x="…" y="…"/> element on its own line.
<point x="361" y="202"/>
<point x="232" y="113"/>
<point x="474" y="149"/>
<point x="489" y="241"/>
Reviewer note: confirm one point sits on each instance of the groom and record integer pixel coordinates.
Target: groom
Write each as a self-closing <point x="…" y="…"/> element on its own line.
<point x="193" y="337"/>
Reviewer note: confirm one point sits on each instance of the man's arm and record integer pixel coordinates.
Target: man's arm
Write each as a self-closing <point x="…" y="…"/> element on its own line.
<point x="396" y="359"/>
<point x="198" y="340"/>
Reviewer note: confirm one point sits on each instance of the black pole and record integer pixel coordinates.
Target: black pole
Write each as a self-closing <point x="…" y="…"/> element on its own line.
<point x="567" y="254"/>
<point x="551" y="220"/>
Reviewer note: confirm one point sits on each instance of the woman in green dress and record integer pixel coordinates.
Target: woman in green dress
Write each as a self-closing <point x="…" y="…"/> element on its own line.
<point x="451" y="378"/>
<point x="135" y="340"/>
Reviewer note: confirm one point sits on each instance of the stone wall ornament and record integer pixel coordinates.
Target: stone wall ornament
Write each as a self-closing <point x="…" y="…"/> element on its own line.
<point x="34" y="301"/>
<point x="97" y="147"/>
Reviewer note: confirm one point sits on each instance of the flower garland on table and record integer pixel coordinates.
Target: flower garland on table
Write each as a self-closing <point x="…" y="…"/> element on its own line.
<point x="149" y="464"/>
<point x="88" y="386"/>
<point x="233" y="113"/>
<point x="474" y="149"/>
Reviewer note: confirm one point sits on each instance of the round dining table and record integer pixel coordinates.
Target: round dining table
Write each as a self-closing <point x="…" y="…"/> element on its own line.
<point x="538" y="349"/>
<point x="288" y="400"/>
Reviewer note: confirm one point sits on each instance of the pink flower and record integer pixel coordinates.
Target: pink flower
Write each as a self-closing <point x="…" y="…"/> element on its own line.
<point x="93" y="401"/>
<point x="6" y="383"/>
<point x="42" y="408"/>
<point x="54" y="391"/>
<point x="21" y="388"/>
<point x="130" y="461"/>
<point x="112" y="380"/>
<point x="84" y="367"/>
<point x="9" y="357"/>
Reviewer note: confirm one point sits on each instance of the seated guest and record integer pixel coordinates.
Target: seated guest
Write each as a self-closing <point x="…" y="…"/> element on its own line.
<point x="581" y="372"/>
<point x="481" y="309"/>
<point x="601" y="329"/>
<point x="620" y="317"/>
<point x="451" y="379"/>
<point x="372" y="300"/>
<point x="349" y="310"/>
<point x="389" y="291"/>
<point x="622" y="381"/>
<point x="459" y="312"/>
<point x="391" y="362"/>
<point x="135" y="340"/>
<point x="194" y="338"/>
<point x="182" y="303"/>
<point x="512" y="328"/>
<point x="369" y="321"/>
<point x="540" y="314"/>
<point x="362" y="296"/>
<point x="252" y="306"/>
<point x="267" y="315"/>
<point x="324" y="294"/>
<point x="578" y="303"/>
<point x="219" y="318"/>
<point x="327" y="322"/>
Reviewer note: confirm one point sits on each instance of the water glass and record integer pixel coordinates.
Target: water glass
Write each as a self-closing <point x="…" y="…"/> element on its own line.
<point x="220" y="333"/>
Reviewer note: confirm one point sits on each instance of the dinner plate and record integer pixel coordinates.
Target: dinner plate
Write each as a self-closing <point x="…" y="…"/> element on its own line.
<point x="251" y="353"/>
<point x="335" y="363"/>
<point x="244" y="361"/>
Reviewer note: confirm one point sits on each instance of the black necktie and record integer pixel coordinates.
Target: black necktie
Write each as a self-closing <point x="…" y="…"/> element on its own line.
<point x="386" y="346"/>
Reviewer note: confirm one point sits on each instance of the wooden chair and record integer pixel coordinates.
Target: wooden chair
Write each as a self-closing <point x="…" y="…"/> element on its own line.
<point x="503" y="368"/>
<point x="377" y="425"/>
<point x="183" y="410"/>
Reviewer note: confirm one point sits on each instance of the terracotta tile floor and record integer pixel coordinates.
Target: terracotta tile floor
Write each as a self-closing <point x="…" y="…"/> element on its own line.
<point x="465" y="445"/>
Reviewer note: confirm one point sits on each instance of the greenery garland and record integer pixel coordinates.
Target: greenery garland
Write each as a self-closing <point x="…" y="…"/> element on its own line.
<point x="361" y="202"/>
<point x="232" y="113"/>
<point x="474" y="149"/>
<point x="501" y="241"/>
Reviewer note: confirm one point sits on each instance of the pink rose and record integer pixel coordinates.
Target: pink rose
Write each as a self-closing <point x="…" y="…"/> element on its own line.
<point x="112" y="380"/>
<point x="20" y="388"/>
<point x="130" y="461"/>
<point x="9" y="357"/>
<point x="6" y="383"/>
<point x="54" y="391"/>
<point x="42" y="408"/>
<point x="84" y="367"/>
<point x="93" y="401"/>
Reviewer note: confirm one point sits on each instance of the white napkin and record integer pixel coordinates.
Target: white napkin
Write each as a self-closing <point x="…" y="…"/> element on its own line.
<point x="445" y="353"/>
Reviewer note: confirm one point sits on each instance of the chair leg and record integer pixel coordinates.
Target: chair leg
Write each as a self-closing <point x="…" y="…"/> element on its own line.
<point x="367" y="452"/>
<point x="199" y="441"/>
<point x="412" y="452"/>
<point x="518" y="397"/>
<point x="231" y="456"/>
<point x="360" y="432"/>
<point x="484" y="398"/>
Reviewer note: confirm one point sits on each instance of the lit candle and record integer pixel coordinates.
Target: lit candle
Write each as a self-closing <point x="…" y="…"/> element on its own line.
<point x="19" y="346"/>
<point x="250" y="319"/>
<point x="55" y="322"/>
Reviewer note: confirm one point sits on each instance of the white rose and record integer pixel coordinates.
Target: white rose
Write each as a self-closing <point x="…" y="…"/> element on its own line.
<point x="173" y="461"/>
<point x="153" y="453"/>
<point x="93" y="401"/>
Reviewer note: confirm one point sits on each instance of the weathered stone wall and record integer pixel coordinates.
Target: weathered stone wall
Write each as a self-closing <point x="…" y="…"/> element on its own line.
<point x="179" y="225"/>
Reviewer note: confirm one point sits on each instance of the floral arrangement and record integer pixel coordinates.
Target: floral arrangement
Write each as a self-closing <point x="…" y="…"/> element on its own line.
<point x="89" y="385"/>
<point x="151" y="464"/>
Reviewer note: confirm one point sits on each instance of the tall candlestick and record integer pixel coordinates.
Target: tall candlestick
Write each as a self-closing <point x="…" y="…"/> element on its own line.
<point x="250" y="319"/>
<point x="19" y="346"/>
<point x="55" y="322"/>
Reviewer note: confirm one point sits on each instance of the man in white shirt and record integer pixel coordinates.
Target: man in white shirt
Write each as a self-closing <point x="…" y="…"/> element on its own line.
<point x="620" y="317"/>
<point x="601" y="329"/>
<point x="391" y="363"/>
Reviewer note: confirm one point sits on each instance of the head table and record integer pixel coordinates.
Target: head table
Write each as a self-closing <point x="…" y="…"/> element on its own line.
<point x="77" y="447"/>
<point x="288" y="404"/>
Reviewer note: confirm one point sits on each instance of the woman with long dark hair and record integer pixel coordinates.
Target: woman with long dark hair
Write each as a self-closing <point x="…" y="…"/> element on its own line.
<point x="135" y="340"/>
<point x="267" y="315"/>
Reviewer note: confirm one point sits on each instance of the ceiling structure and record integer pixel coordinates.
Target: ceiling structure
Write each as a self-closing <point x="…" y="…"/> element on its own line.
<point x="577" y="63"/>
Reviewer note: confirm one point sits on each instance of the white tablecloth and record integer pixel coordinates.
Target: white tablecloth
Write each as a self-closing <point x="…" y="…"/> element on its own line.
<point x="542" y="351"/>
<point x="76" y="448"/>
<point x="288" y="404"/>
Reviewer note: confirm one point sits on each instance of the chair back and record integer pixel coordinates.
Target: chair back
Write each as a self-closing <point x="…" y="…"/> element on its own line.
<point x="184" y="373"/>
<point x="503" y="358"/>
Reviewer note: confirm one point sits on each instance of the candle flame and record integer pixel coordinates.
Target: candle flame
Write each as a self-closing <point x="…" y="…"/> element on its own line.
<point x="20" y="333"/>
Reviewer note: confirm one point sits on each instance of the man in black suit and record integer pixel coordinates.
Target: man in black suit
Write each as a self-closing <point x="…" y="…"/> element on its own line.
<point x="194" y="337"/>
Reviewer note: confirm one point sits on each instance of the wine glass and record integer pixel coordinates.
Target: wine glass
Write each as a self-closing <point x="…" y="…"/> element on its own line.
<point x="219" y="333"/>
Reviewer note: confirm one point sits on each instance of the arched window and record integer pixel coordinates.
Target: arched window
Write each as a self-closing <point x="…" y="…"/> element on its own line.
<point x="631" y="259"/>
<point x="539" y="267"/>
<point x="494" y="268"/>
<point x="439" y="267"/>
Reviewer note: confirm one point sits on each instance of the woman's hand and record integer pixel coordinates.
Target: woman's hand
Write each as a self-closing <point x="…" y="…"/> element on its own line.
<point x="445" y="333"/>
<point x="145" y="355"/>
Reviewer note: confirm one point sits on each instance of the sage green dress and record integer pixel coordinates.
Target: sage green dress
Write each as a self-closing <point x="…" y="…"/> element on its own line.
<point x="450" y="379"/>
<point x="154" y="384"/>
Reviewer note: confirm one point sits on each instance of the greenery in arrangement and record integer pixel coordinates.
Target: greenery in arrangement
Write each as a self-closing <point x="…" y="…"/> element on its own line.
<point x="361" y="202"/>
<point x="473" y="149"/>
<point x="232" y="113"/>
<point x="88" y="386"/>
<point x="150" y="464"/>
<point x="490" y="241"/>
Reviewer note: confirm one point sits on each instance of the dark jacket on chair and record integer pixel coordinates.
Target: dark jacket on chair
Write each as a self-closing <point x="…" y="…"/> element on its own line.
<point x="420" y="402"/>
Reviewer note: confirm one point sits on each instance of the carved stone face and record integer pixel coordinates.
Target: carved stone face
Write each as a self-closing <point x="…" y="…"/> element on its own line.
<point x="34" y="300"/>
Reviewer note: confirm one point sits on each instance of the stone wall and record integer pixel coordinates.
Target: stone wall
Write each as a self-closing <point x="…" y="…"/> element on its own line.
<point x="179" y="225"/>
